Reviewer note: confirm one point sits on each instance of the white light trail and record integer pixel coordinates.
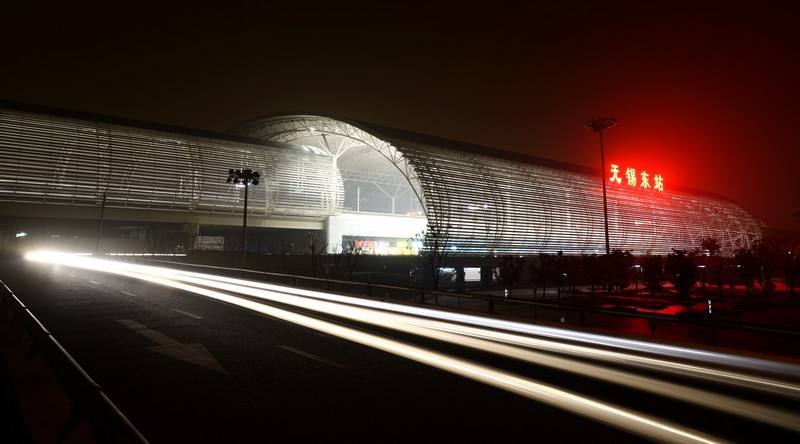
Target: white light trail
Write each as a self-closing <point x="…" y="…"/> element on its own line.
<point x="673" y="351"/>
<point x="454" y="333"/>
<point x="633" y="422"/>
<point x="708" y="373"/>
<point x="717" y="375"/>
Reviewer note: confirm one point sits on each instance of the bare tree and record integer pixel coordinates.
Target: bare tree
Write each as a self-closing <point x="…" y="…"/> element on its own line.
<point x="705" y="259"/>
<point x="574" y="273"/>
<point x="746" y="269"/>
<point x="348" y="256"/>
<point x="435" y="250"/>
<point x="508" y="272"/>
<point x="540" y="270"/>
<point x="653" y="273"/>
<point x="764" y="253"/>
<point x="315" y="249"/>
<point x="715" y="265"/>
<point x="558" y="276"/>
<point x="682" y="273"/>
<point x="616" y="268"/>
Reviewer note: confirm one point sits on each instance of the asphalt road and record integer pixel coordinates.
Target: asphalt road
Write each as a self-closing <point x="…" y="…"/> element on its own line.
<point x="186" y="368"/>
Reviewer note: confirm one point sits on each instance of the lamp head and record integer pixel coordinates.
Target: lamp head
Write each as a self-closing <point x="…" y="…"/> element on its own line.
<point x="600" y="123"/>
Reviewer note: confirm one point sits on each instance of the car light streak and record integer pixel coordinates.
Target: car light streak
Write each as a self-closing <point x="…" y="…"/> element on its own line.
<point x="450" y="333"/>
<point x="633" y="422"/>
<point x="716" y="375"/>
<point x="706" y="373"/>
<point x="695" y="354"/>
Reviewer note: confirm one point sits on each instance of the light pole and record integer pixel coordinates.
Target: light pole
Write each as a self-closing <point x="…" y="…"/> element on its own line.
<point x="597" y="126"/>
<point x="244" y="177"/>
<point x="100" y="224"/>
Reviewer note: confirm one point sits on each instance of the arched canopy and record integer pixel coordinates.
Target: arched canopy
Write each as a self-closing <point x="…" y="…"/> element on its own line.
<point x="485" y="201"/>
<point x="360" y="157"/>
<point x="480" y="200"/>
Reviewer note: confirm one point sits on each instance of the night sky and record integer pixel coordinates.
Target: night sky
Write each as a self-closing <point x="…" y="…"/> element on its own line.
<point x="707" y="97"/>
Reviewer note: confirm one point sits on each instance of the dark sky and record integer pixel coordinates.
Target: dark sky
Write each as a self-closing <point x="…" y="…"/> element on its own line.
<point x="708" y="96"/>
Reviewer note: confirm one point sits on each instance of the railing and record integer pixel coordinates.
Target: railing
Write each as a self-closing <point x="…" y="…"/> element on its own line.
<point x="88" y="399"/>
<point x="519" y="308"/>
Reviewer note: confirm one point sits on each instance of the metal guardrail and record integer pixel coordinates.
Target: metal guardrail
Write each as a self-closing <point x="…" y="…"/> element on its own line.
<point x="422" y="296"/>
<point x="89" y="401"/>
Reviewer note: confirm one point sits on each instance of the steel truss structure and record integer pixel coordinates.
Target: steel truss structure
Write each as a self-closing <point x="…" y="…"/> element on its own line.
<point x="491" y="205"/>
<point x="482" y="201"/>
<point x="316" y="131"/>
<point x="486" y="204"/>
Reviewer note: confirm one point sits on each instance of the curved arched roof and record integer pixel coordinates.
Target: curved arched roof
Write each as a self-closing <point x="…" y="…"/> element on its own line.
<point x="497" y="202"/>
<point x="401" y="137"/>
<point x="487" y="201"/>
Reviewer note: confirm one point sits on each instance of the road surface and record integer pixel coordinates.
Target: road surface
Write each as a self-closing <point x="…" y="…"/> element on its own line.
<point x="198" y="358"/>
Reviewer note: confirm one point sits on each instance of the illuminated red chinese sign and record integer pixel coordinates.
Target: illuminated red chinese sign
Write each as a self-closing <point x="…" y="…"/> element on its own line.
<point x="642" y="179"/>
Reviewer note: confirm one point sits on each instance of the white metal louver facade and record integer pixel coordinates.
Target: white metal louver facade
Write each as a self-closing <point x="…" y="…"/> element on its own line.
<point x="486" y="204"/>
<point x="64" y="161"/>
<point x="490" y="205"/>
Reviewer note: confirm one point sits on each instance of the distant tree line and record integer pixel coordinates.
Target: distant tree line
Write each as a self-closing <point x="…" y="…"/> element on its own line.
<point x="752" y="268"/>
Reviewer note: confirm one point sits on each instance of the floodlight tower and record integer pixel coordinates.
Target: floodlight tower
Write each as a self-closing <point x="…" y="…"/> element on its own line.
<point x="598" y="125"/>
<point x="244" y="177"/>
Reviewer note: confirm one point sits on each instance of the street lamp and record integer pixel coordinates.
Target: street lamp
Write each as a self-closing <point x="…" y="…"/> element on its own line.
<point x="597" y="126"/>
<point x="100" y="223"/>
<point x="244" y="177"/>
